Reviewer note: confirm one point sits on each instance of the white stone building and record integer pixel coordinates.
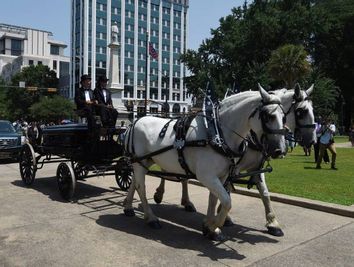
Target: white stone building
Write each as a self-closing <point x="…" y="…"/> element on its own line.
<point x="21" y="47"/>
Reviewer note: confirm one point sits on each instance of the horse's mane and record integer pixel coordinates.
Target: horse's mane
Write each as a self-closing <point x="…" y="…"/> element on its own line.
<point x="243" y="96"/>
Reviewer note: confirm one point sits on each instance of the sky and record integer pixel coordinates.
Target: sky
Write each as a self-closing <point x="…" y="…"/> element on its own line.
<point x="54" y="16"/>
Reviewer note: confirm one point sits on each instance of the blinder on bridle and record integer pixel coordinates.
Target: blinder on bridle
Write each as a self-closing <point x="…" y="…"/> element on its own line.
<point x="300" y="114"/>
<point x="266" y="117"/>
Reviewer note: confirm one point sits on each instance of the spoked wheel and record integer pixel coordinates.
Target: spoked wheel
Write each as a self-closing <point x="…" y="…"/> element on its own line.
<point x="28" y="166"/>
<point x="124" y="172"/>
<point x="66" y="180"/>
<point x="80" y="171"/>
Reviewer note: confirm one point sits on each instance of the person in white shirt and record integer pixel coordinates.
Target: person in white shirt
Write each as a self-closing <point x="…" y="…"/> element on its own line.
<point x="327" y="142"/>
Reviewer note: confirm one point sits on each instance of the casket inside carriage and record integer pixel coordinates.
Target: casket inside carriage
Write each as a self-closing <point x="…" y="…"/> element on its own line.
<point x="78" y="142"/>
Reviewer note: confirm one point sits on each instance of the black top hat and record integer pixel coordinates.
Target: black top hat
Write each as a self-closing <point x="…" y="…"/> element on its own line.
<point x="102" y="79"/>
<point x="85" y="77"/>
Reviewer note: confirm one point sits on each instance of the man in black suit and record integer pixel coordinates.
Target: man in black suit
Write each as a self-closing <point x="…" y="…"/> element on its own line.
<point x="85" y="100"/>
<point x="104" y="99"/>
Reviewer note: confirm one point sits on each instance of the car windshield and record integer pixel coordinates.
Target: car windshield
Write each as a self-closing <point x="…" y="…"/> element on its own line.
<point x="6" y="127"/>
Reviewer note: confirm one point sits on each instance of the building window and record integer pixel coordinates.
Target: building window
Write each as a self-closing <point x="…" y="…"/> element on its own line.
<point x="54" y="65"/>
<point x="154" y="7"/>
<point x="39" y="63"/>
<point x="54" y="49"/>
<point x="16" y="47"/>
<point x="166" y="11"/>
<point x="2" y="46"/>
<point x="142" y="3"/>
<point x="101" y="35"/>
<point x="30" y="62"/>
<point x="102" y="21"/>
<point x="166" y="23"/>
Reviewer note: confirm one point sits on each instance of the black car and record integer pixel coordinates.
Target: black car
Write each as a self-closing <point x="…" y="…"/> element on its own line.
<point x="10" y="141"/>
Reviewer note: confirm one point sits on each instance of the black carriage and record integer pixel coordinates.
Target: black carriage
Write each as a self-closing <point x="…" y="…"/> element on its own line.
<point x="81" y="153"/>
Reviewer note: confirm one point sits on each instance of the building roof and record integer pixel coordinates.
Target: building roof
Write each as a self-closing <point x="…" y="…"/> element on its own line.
<point x="19" y="29"/>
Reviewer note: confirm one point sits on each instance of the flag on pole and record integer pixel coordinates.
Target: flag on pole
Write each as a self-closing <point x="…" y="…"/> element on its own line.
<point x="153" y="53"/>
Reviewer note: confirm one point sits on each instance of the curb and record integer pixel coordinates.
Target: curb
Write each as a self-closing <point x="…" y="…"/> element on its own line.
<point x="347" y="211"/>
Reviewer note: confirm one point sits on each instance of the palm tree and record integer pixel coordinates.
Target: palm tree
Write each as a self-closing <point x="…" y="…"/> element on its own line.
<point x="288" y="64"/>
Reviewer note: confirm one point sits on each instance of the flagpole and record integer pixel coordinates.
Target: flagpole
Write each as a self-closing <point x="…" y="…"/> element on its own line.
<point x="146" y="70"/>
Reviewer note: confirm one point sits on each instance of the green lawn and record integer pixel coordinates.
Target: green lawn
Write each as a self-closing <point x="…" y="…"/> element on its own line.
<point x="341" y="139"/>
<point x="296" y="175"/>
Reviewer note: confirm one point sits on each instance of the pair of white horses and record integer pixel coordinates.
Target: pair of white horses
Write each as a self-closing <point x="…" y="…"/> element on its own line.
<point x="261" y="112"/>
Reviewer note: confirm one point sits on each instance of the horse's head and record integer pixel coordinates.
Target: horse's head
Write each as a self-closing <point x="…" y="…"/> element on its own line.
<point x="301" y="118"/>
<point x="270" y="123"/>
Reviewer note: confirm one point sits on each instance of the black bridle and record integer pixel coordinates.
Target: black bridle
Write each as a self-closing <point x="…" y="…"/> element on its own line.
<point x="265" y="117"/>
<point x="299" y="114"/>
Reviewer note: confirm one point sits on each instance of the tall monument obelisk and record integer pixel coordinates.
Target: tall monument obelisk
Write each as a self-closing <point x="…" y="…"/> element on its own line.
<point x="113" y="73"/>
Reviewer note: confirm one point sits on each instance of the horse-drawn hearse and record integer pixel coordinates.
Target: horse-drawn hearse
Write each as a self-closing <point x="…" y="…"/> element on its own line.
<point x="248" y="129"/>
<point x="81" y="152"/>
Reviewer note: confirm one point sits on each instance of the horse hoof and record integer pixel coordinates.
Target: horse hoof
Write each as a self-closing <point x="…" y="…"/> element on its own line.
<point x="190" y="208"/>
<point x="275" y="231"/>
<point x="228" y="222"/>
<point x="155" y="225"/>
<point x="129" y="212"/>
<point x="157" y="198"/>
<point x="217" y="235"/>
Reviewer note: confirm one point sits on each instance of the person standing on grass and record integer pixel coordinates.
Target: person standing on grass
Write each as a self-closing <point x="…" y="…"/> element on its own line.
<point x="316" y="146"/>
<point x="351" y="134"/>
<point x="327" y="142"/>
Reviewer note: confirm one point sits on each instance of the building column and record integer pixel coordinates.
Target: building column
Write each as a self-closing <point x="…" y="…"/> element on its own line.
<point x="136" y="45"/>
<point x="171" y="51"/>
<point x="181" y="84"/>
<point x="159" y="80"/>
<point x="122" y="43"/>
<point x="108" y="32"/>
<point x="86" y="37"/>
<point x="93" y="43"/>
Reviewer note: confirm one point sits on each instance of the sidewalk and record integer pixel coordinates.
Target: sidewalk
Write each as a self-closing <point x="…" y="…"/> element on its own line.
<point x="38" y="228"/>
<point x="344" y="145"/>
<point x="342" y="210"/>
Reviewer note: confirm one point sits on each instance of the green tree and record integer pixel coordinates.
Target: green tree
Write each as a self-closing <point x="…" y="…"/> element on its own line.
<point x="244" y="41"/>
<point x="53" y="109"/>
<point x="325" y="93"/>
<point x="289" y="64"/>
<point x="18" y="99"/>
<point x="334" y="48"/>
<point x="3" y="106"/>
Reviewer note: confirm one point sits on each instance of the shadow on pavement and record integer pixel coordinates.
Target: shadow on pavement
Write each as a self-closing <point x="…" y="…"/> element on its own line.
<point x="49" y="187"/>
<point x="182" y="230"/>
<point x="8" y="161"/>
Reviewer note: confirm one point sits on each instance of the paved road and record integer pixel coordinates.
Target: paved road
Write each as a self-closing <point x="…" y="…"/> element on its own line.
<point x="38" y="229"/>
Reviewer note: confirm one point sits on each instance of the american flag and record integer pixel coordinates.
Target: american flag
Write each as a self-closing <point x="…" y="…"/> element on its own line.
<point x="152" y="51"/>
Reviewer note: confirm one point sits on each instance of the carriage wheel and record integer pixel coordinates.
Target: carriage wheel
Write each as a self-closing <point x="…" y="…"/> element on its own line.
<point x="123" y="173"/>
<point x="66" y="181"/>
<point x="28" y="166"/>
<point x="80" y="171"/>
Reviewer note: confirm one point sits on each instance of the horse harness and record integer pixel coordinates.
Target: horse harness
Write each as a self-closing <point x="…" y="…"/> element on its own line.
<point x="181" y="127"/>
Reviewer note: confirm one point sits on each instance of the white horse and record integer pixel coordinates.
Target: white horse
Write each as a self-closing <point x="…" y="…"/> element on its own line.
<point x="237" y="118"/>
<point x="300" y="120"/>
